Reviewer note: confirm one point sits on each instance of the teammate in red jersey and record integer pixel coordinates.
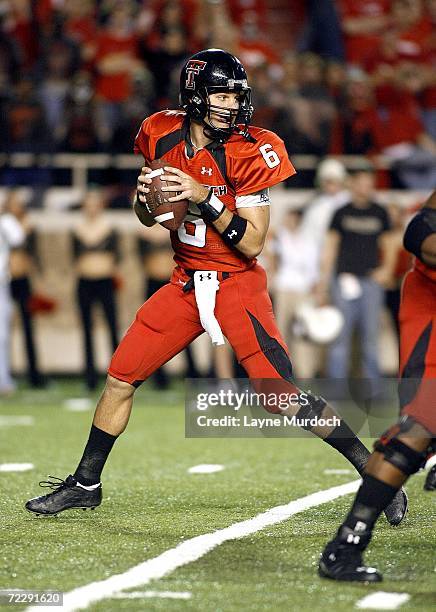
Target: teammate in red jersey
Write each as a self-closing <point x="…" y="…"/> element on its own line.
<point x="224" y="168"/>
<point x="402" y="450"/>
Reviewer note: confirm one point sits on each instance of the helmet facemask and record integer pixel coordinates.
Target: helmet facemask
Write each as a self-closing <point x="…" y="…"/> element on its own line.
<point x="233" y="117"/>
<point x="238" y="119"/>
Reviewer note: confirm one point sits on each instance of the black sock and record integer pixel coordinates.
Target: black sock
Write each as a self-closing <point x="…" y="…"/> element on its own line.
<point x="346" y="442"/>
<point x="371" y="499"/>
<point x="94" y="457"/>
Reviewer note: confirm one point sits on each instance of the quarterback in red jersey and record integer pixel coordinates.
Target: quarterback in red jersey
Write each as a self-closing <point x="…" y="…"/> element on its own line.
<point x="403" y="449"/>
<point x="224" y="167"/>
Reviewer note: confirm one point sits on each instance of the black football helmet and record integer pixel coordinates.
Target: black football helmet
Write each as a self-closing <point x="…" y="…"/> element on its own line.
<point x="214" y="71"/>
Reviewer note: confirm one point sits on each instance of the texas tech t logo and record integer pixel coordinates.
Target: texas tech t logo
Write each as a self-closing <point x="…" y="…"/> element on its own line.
<point x="193" y="67"/>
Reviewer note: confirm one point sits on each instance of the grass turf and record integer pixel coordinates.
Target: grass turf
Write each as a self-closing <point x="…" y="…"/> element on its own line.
<point x="151" y="504"/>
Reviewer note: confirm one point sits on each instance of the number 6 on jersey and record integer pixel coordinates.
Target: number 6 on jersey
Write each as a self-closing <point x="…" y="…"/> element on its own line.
<point x="269" y="155"/>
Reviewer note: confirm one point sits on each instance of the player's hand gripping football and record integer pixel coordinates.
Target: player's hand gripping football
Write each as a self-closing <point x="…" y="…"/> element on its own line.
<point x="184" y="186"/>
<point x="142" y="183"/>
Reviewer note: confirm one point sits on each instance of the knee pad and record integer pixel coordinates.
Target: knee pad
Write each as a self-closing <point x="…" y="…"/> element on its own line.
<point x="313" y="409"/>
<point x="403" y="457"/>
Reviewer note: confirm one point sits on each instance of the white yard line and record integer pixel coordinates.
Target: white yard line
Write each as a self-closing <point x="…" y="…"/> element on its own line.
<point x="15" y="467"/>
<point x="339" y="471"/>
<point x="381" y="600"/>
<point x="78" y="404"/>
<point x="9" y="420"/>
<point x="191" y="550"/>
<point x="205" y="468"/>
<point x="151" y="594"/>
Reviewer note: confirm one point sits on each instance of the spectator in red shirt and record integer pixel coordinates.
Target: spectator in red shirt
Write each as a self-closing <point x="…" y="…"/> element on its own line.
<point x="412" y="28"/>
<point x="115" y="62"/>
<point x="255" y="50"/>
<point x="253" y="11"/>
<point x="20" y="24"/>
<point x="399" y="132"/>
<point x="362" y="23"/>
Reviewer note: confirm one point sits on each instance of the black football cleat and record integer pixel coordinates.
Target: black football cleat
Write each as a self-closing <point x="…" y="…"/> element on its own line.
<point x="430" y="481"/>
<point x="66" y="494"/>
<point x="344" y="562"/>
<point x="397" y="509"/>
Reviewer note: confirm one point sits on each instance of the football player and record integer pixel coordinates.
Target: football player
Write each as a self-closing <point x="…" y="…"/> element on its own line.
<point x="403" y="449"/>
<point x="224" y="167"/>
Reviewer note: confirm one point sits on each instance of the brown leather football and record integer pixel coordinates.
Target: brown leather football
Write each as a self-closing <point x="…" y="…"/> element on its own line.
<point x="168" y="214"/>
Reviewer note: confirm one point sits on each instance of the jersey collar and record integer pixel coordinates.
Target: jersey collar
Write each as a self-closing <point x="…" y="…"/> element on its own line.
<point x="190" y="150"/>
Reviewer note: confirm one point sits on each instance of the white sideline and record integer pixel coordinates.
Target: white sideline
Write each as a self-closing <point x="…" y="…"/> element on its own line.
<point x="9" y="420"/>
<point x="205" y="468"/>
<point x="333" y="471"/>
<point x="15" y="467"/>
<point x="153" y="594"/>
<point x="191" y="550"/>
<point x="381" y="600"/>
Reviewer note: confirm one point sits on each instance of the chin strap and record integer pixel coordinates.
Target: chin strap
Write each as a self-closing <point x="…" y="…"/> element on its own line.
<point x="222" y="136"/>
<point x="245" y="133"/>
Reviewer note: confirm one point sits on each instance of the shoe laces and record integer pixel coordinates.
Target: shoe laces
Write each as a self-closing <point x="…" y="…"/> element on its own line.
<point x="56" y="484"/>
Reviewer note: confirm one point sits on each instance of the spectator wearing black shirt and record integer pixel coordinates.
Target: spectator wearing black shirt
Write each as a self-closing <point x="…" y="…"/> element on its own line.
<point x="96" y="255"/>
<point x="357" y="262"/>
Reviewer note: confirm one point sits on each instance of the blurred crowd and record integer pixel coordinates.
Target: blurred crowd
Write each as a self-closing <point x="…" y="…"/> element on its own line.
<point x="355" y="77"/>
<point x="341" y="247"/>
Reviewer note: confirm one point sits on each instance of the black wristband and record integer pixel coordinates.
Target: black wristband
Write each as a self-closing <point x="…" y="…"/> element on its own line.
<point x="422" y="225"/>
<point x="235" y="230"/>
<point x="211" y="210"/>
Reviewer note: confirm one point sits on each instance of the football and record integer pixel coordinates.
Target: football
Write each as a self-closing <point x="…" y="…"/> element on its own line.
<point x="168" y="214"/>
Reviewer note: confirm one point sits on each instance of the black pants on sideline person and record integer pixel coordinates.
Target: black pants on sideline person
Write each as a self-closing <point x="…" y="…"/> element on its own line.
<point x="21" y="293"/>
<point x="90" y="292"/>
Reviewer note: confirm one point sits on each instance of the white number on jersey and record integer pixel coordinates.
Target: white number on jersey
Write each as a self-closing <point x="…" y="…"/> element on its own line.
<point x="269" y="155"/>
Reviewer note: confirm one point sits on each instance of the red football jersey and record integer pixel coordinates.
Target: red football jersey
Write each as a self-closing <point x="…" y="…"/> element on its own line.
<point x="235" y="169"/>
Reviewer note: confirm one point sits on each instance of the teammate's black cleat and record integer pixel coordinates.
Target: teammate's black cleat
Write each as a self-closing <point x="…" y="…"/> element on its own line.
<point x="344" y="562"/>
<point x="430" y="481"/>
<point x="397" y="509"/>
<point x="67" y="494"/>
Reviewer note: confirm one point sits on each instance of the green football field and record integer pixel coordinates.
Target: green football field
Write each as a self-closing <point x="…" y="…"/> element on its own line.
<point x="153" y="504"/>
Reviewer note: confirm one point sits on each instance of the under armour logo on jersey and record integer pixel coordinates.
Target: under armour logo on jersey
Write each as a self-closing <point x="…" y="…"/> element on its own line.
<point x="193" y="67"/>
<point x="204" y="276"/>
<point x="232" y="233"/>
<point x="205" y="170"/>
